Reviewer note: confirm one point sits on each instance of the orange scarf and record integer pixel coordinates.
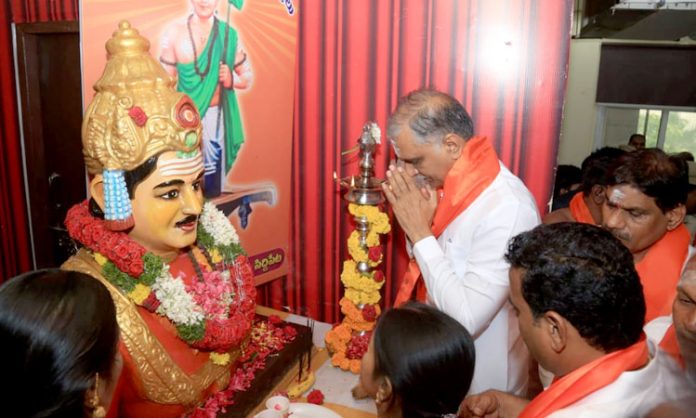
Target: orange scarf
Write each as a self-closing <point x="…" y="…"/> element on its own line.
<point x="587" y="379"/>
<point x="470" y="175"/>
<point x="660" y="270"/>
<point x="578" y="208"/>
<point x="670" y="345"/>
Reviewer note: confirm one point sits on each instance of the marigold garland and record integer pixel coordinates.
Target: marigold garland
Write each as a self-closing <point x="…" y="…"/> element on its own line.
<point x="348" y="341"/>
<point x="379" y="221"/>
<point x="352" y="278"/>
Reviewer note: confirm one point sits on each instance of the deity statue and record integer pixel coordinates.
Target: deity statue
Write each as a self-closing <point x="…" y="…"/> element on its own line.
<point x="181" y="283"/>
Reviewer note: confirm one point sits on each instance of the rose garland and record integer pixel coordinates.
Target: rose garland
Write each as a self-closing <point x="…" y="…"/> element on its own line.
<point x="214" y="313"/>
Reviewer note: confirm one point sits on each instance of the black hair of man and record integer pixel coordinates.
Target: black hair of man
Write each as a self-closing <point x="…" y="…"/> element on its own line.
<point x="430" y="115"/>
<point x="583" y="273"/>
<point x="660" y="176"/>
<point x="427" y="355"/>
<point x="634" y="137"/>
<point x="566" y="176"/>
<point x="58" y="330"/>
<point x="597" y="168"/>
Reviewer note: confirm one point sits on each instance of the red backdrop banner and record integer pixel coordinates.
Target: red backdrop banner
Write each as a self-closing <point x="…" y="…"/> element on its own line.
<point x="505" y="60"/>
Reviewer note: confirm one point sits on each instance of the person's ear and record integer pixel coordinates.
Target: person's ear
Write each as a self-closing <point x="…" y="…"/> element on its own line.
<point x="557" y="330"/>
<point x="675" y="217"/>
<point x="384" y="398"/>
<point x="454" y="145"/>
<point x="96" y="190"/>
<point x="598" y="194"/>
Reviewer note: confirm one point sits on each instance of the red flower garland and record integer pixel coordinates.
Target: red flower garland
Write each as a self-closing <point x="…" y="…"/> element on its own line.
<point x="374" y="253"/>
<point x="92" y="232"/>
<point x="316" y="397"/>
<point x="223" y="335"/>
<point x="126" y="254"/>
<point x="266" y="339"/>
<point x="357" y="346"/>
<point x="369" y="313"/>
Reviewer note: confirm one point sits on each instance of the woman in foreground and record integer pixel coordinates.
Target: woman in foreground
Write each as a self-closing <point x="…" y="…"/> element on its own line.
<point x="419" y="363"/>
<point x="59" y="345"/>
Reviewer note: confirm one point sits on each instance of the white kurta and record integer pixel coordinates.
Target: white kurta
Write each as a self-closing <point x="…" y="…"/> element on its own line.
<point x="634" y="393"/>
<point x="467" y="277"/>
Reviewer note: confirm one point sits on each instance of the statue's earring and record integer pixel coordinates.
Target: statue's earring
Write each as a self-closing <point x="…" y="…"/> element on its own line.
<point x="98" y="411"/>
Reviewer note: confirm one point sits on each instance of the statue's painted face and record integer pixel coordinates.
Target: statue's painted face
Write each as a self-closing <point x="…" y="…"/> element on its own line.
<point x="166" y="205"/>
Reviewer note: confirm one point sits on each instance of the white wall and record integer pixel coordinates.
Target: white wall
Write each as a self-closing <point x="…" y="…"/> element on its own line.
<point x="579" y="110"/>
<point x="580" y="116"/>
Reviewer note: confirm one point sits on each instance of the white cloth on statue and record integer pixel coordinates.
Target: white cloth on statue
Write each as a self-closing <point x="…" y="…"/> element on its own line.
<point x="634" y="393"/>
<point x="211" y="134"/>
<point x="467" y="277"/>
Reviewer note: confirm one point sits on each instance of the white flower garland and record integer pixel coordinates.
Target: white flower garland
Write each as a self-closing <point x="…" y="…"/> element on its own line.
<point x="175" y="302"/>
<point x="217" y="225"/>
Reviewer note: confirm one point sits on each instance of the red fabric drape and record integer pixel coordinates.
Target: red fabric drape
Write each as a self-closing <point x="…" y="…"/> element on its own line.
<point x="506" y="61"/>
<point x="14" y="236"/>
<point x="24" y="11"/>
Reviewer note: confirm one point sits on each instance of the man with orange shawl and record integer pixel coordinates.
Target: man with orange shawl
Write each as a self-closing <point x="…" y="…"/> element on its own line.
<point x="586" y="205"/>
<point x="677" y="336"/>
<point x="459" y="220"/>
<point x="581" y="308"/>
<point x="645" y="209"/>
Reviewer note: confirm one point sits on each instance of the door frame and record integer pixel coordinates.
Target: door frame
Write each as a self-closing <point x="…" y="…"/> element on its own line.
<point x="26" y="38"/>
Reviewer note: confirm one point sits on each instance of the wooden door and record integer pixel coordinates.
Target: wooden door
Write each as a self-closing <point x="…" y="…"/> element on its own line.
<point x="48" y="64"/>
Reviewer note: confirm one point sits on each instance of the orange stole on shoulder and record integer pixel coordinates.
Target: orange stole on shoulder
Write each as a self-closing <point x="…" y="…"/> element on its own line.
<point x="660" y="270"/>
<point x="578" y="208"/>
<point x="670" y="345"/>
<point x="587" y="379"/>
<point x="471" y="174"/>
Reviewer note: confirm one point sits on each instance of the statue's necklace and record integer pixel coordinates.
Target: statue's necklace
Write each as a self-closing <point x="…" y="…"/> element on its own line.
<point x="214" y="34"/>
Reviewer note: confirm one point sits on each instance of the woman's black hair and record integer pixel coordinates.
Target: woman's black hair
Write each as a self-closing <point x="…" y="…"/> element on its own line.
<point x="57" y="330"/>
<point x="427" y="355"/>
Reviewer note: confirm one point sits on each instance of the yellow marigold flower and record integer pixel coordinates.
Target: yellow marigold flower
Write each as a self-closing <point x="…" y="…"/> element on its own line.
<point x="100" y="259"/>
<point x="215" y="255"/>
<point x="139" y="293"/>
<point x="355" y="249"/>
<point x="358" y="297"/>
<point x="379" y="221"/>
<point x="352" y="278"/>
<point x="220" y="359"/>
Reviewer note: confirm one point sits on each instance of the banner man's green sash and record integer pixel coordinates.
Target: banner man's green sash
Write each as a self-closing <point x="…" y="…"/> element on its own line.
<point x="201" y="91"/>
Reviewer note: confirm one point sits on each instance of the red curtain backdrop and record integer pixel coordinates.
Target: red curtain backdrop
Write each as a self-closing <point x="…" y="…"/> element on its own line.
<point x="505" y="60"/>
<point x="25" y="11"/>
<point x="14" y="245"/>
<point x="15" y="250"/>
